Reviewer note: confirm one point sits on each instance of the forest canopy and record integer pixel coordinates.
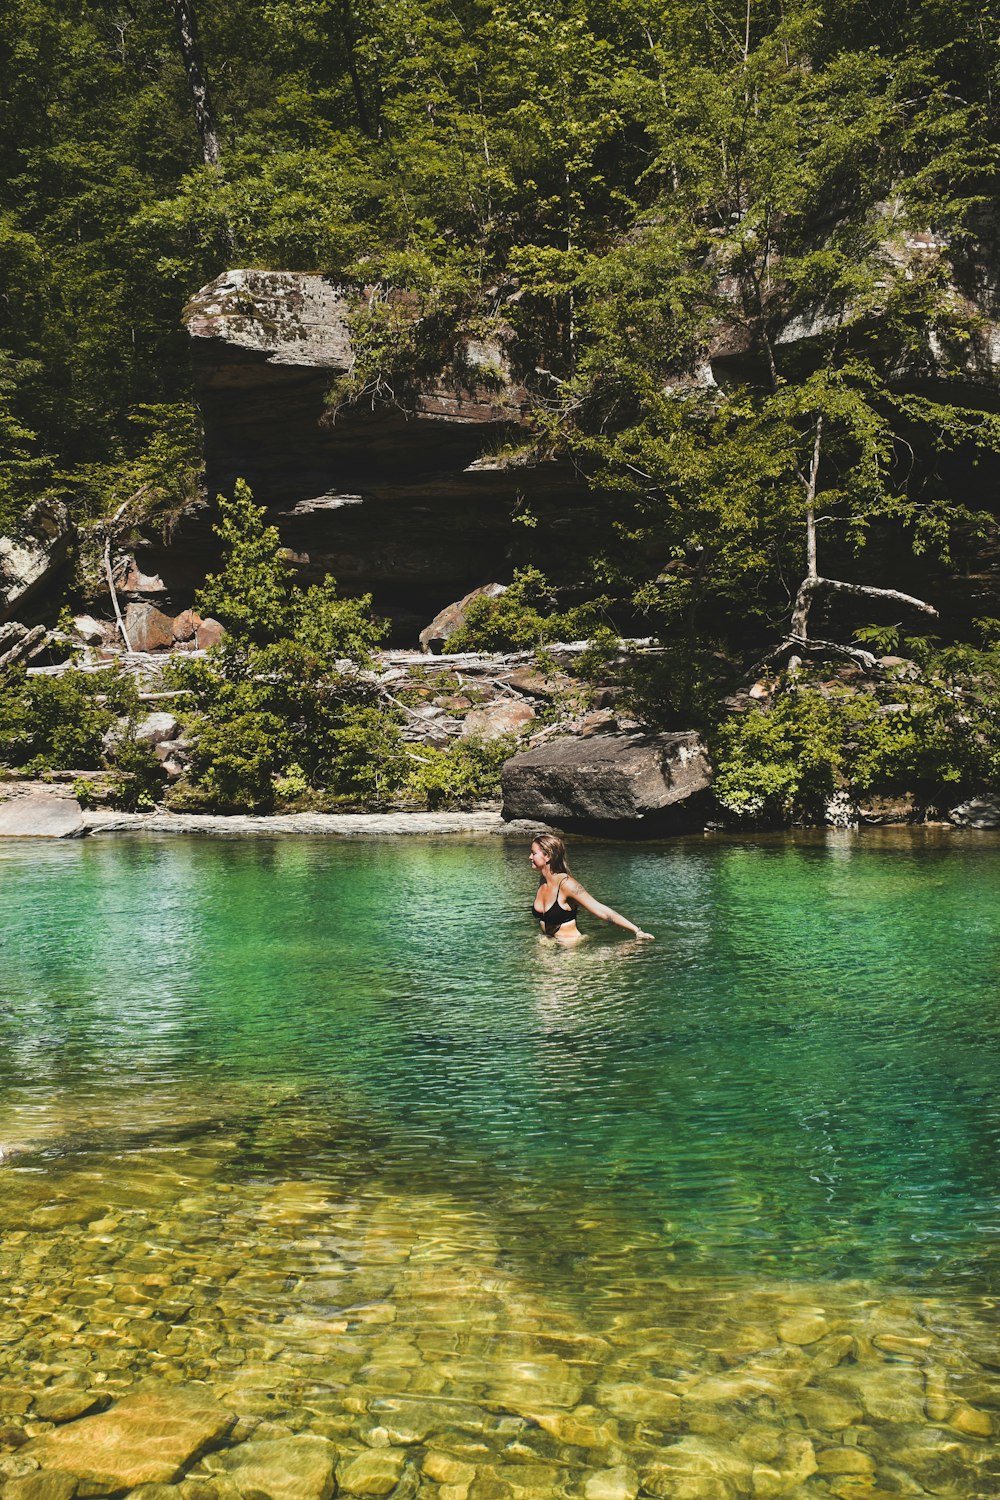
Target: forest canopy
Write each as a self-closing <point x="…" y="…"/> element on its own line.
<point x="625" y="186"/>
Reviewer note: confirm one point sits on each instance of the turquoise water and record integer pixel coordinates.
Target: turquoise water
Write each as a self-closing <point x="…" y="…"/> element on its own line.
<point x="800" y="1075"/>
<point x="324" y="1134"/>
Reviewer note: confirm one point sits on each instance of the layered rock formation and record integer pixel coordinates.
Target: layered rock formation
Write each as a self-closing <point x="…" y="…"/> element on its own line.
<point x="413" y="505"/>
<point x="408" y="504"/>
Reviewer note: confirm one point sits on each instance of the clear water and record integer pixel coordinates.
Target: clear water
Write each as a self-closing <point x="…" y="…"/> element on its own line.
<point x="321" y="1059"/>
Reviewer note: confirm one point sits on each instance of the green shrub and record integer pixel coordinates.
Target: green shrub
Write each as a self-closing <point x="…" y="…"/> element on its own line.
<point x="58" y="723"/>
<point x="524" y="616"/>
<point x="780" y="763"/>
<point x="930" y="733"/>
<point x="61" y="723"/>
<point x="465" y="772"/>
<point x="283" y="707"/>
<point x="138" y="780"/>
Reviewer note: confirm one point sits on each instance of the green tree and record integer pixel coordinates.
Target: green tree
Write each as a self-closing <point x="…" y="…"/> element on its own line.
<point x="285" y="697"/>
<point x="762" y="394"/>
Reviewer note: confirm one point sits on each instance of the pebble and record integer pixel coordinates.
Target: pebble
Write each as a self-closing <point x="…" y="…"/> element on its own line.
<point x="374" y="1473"/>
<point x="619" y="1483"/>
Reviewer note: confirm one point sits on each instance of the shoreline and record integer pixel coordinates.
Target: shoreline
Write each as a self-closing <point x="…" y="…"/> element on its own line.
<point x="483" y="824"/>
<point x="36" y="810"/>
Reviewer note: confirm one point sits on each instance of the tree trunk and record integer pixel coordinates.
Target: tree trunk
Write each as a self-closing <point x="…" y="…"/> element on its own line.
<point x="812" y="584"/>
<point x="186" y="25"/>
<point x="370" y="122"/>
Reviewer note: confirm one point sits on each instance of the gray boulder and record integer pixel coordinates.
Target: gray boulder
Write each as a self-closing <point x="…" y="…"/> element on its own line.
<point x="91" y="631"/>
<point x="30" y="559"/>
<point x="36" y="814"/>
<point x="155" y="728"/>
<point x="978" y="812"/>
<point x="608" y="778"/>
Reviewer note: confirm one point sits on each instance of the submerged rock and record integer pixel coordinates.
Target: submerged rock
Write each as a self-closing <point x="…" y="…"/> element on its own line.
<point x="609" y="778"/>
<point x="294" y="1468"/>
<point x="619" y="1483"/>
<point x="148" y="1438"/>
<point x="374" y="1473"/>
<point x="41" y="1486"/>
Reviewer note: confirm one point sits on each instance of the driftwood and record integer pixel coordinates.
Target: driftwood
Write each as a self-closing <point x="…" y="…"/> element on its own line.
<point x="109" y="529"/>
<point x="792" y="645"/>
<point x="27" y="646"/>
<point x="114" y="593"/>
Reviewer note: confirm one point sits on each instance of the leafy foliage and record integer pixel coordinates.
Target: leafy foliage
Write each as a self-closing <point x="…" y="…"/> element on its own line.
<point x="283" y="699"/>
<point x="524" y="617"/>
<point x="154" y="471"/>
<point x="77" y="721"/>
<point x="705" y="234"/>
<point x="932" y="734"/>
<point x="462" y="774"/>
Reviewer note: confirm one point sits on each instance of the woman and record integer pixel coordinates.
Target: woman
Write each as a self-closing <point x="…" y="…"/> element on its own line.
<point x="559" y="895"/>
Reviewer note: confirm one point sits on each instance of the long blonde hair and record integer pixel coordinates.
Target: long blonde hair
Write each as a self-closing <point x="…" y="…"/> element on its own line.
<point x="554" y="850"/>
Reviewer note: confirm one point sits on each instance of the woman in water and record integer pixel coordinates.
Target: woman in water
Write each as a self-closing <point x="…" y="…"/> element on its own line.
<point x="559" y="895"/>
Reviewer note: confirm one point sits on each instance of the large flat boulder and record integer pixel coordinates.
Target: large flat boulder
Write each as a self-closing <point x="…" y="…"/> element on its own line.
<point x="148" y="1438"/>
<point x="36" y="814"/>
<point x="608" y="778"/>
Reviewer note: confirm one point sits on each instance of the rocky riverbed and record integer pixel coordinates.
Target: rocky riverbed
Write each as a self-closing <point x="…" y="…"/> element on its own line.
<point x="178" y="1326"/>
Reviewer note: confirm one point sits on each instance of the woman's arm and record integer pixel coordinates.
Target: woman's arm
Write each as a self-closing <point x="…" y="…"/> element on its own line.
<point x="583" y="898"/>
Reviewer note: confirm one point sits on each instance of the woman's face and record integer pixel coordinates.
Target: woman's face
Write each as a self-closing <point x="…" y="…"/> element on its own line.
<point x="538" y="857"/>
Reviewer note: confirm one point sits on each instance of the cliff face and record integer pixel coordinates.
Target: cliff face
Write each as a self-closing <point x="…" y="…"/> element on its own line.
<point x="409" y="504"/>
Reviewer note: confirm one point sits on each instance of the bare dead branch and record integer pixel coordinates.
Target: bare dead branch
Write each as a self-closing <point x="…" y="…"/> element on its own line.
<point x="28" y="646"/>
<point x="114" y="592"/>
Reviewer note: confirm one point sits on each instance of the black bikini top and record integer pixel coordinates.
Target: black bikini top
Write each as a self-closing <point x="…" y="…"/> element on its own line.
<point x="556" y="916"/>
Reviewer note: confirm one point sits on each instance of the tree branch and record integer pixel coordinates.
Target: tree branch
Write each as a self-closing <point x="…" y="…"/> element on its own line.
<point x="814" y="586"/>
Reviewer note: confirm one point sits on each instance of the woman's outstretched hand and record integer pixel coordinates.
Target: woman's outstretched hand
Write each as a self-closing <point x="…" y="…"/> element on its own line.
<point x="640" y="934"/>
